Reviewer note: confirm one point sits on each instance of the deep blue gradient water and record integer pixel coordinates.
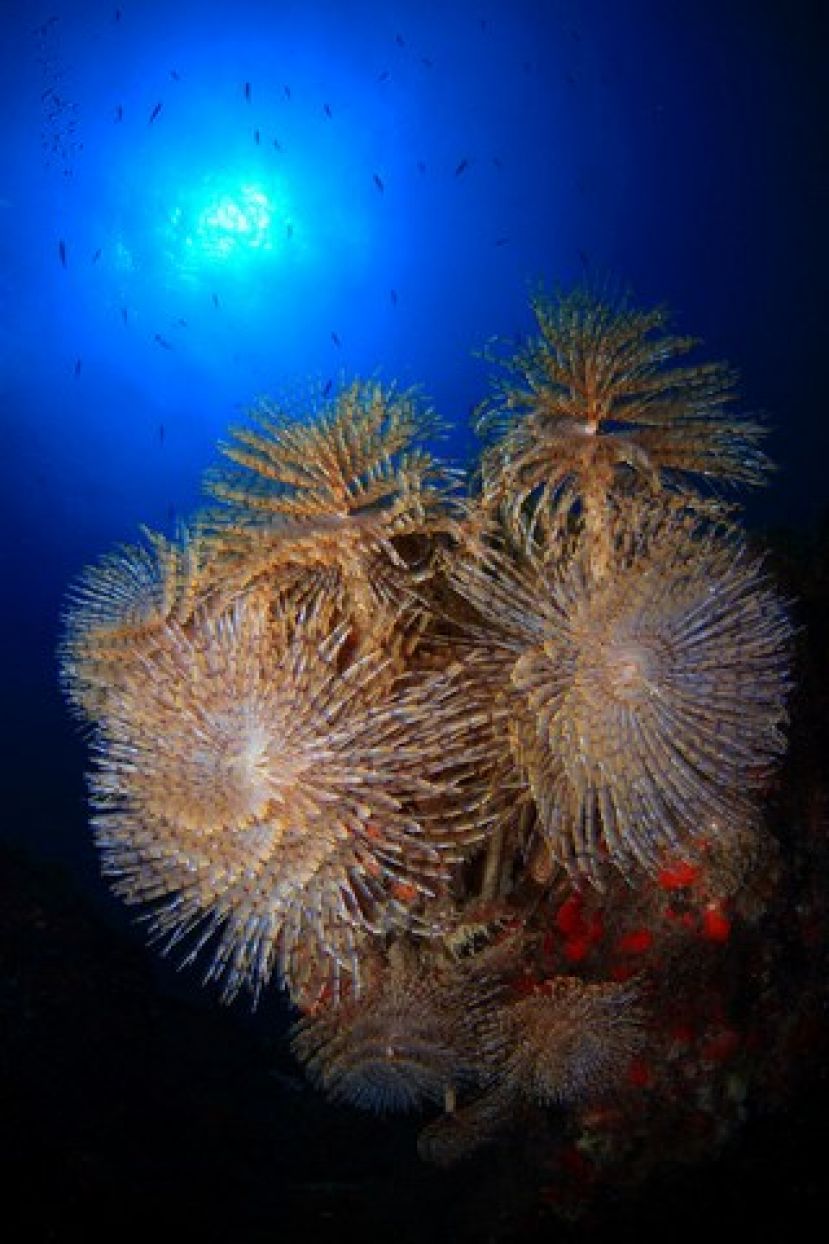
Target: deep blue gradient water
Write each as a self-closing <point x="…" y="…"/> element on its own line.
<point x="204" y="203"/>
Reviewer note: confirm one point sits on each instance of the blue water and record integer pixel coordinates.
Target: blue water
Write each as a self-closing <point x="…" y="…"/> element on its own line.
<point x="204" y="203"/>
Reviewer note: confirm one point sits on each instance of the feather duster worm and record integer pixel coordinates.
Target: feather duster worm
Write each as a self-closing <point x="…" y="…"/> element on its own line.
<point x="567" y="1044"/>
<point x="256" y="784"/>
<point x="408" y="1039"/>
<point x="117" y="607"/>
<point x="597" y="398"/>
<point x="341" y="507"/>
<point x="350" y="737"/>
<point x="645" y="708"/>
<point x="570" y="1042"/>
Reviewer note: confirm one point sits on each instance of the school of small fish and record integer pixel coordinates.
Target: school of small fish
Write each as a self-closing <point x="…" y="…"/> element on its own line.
<point x="62" y="145"/>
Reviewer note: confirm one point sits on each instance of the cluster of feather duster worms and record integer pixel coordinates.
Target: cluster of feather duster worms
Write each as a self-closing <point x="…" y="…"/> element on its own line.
<point x="454" y="761"/>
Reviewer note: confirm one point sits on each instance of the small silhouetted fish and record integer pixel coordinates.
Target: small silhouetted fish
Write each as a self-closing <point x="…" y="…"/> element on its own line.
<point x="156" y="110"/>
<point x="77" y="367"/>
<point x="378" y="181"/>
<point x="161" y="434"/>
<point x="247" y="91"/>
<point x="400" y="41"/>
<point x="421" y="166"/>
<point x="162" y="341"/>
<point x="182" y="323"/>
<point x="327" y="110"/>
<point x="289" y="231"/>
<point x="336" y="339"/>
<point x="461" y="167"/>
<point x="424" y="60"/>
<point x="97" y="255"/>
<point x="124" y="314"/>
<point x="501" y="241"/>
<point x="257" y="137"/>
<point x="119" y="112"/>
<point x="62" y="252"/>
<point x="175" y="75"/>
<point x="117" y="15"/>
<point x="215" y="300"/>
<point x="383" y="76"/>
<point x="393" y="296"/>
<point x="286" y="91"/>
<point x="278" y="145"/>
<point x="326" y="388"/>
<point x="496" y="161"/>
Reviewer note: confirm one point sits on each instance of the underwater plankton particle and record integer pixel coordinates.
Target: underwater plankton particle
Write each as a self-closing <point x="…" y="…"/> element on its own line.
<point x="599" y="392"/>
<point x="267" y="794"/>
<point x="647" y="708"/>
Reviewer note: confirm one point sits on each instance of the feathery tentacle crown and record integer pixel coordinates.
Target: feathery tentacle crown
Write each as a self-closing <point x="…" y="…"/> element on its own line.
<point x="409" y="1039"/>
<point x="116" y="608"/>
<point x="597" y="398"/>
<point x="571" y="1042"/>
<point x="343" y="506"/>
<point x="643" y="708"/>
<point x="258" y="784"/>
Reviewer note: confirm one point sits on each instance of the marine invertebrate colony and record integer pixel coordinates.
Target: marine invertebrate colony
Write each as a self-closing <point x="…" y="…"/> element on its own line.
<point x="360" y="737"/>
